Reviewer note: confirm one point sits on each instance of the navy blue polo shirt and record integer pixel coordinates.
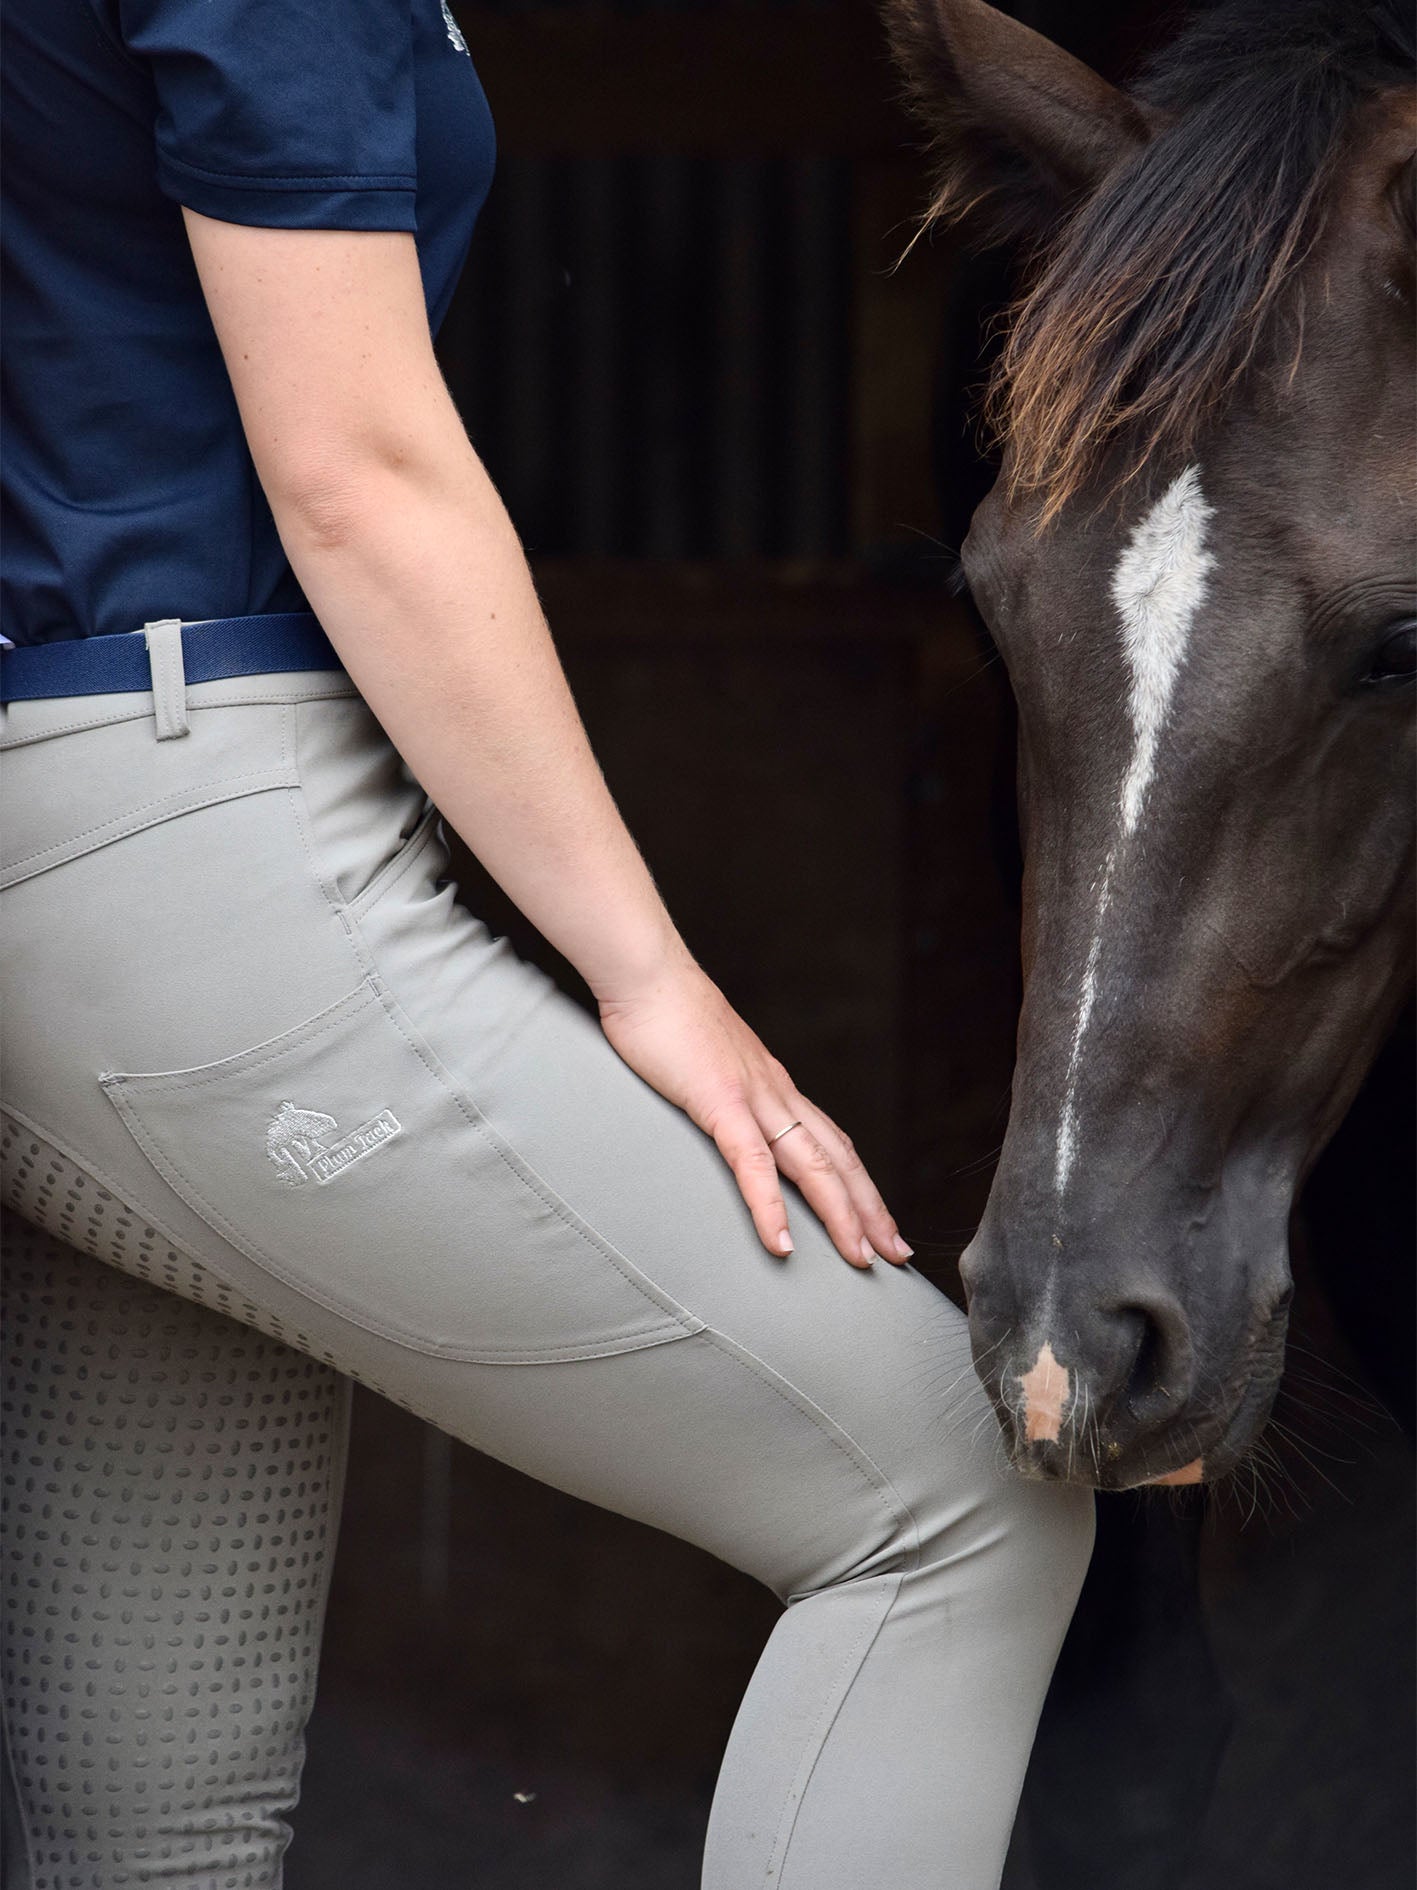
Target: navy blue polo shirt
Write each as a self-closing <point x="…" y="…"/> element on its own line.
<point x="126" y="487"/>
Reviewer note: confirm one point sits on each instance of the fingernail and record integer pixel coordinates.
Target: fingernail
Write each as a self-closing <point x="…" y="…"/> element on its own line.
<point x="868" y="1252"/>
<point x="906" y="1253"/>
<point x="784" y="1242"/>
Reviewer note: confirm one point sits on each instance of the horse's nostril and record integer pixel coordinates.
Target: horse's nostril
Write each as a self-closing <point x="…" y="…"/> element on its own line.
<point x="1160" y="1373"/>
<point x="1146" y="1366"/>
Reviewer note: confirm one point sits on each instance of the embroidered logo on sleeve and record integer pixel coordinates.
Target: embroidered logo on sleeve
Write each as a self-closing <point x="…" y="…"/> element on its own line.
<point x="308" y="1146"/>
<point x="454" y="30"/>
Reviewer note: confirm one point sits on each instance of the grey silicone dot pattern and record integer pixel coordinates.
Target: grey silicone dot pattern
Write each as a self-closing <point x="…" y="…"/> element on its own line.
<point x="52" y="1192"/>
<point x="170" y="1484"/>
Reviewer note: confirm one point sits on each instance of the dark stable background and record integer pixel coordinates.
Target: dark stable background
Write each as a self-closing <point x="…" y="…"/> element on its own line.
<point x="737" y="445"/>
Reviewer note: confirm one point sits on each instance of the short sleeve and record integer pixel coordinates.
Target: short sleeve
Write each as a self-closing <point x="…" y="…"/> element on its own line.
<point x="295" y="113"/>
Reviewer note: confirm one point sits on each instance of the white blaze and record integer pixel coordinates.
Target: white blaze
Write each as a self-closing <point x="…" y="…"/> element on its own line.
<point x="1158" y="586"/>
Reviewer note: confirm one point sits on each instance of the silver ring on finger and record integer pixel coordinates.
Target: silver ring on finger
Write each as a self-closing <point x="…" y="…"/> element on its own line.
<point x="787" y="1131"/>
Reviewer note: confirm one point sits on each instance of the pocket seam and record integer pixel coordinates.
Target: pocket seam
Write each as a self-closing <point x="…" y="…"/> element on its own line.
<point x="542" y="1354"/>
<point x="393" y="869"/>
<point x="370" y="990"/>
<point x="198" y="1074"/>
<point x="687" y="1321"/>
<point x="136" y="819"/>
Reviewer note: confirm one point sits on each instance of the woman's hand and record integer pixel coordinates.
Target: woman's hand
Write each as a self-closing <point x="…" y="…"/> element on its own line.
<point x="682" y="1036"/>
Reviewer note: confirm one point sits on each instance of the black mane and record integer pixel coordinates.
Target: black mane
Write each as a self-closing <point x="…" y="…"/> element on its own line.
<point x="1254" y="64"/>
<point x="1155" y="295"/>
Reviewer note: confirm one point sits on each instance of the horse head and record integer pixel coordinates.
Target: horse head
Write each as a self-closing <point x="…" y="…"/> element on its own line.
<point x="1197" y="564"/>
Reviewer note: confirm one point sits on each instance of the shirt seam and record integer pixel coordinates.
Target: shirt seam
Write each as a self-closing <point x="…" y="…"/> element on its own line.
<point x="279" y="180"/>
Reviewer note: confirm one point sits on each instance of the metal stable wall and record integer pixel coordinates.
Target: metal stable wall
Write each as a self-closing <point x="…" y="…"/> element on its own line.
<point x="653" y="352"/>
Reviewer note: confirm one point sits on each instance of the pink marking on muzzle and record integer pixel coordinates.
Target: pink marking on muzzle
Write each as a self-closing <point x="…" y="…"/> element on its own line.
<point x="1045" y="1389"/>
<point x="1188" y="1473"/>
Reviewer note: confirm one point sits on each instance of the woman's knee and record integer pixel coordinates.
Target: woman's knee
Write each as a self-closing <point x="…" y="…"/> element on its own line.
<point x="1014" y="1542"/>
<point x="952" y="1514"/>
<point x="885" y="1458"/>
<point x="1022" y="1551"/>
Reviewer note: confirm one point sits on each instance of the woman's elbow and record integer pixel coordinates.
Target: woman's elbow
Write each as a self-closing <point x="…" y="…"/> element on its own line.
<point x="328" y="499"/>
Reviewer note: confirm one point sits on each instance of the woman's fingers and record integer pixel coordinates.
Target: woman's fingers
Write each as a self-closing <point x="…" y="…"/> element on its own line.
<point x="803" y="1159"/>
<point x="695" y="1050"/>
<point x="816" y="1155"/>
<point x="876" y="1217"/>
<point x="741" y="1144"/>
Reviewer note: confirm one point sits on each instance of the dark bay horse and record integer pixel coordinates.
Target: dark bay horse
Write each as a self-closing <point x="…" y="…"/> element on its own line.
<point x="1198" y="564"/>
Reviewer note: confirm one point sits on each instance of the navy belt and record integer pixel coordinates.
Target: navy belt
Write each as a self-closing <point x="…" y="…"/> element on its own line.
<point x="276" y="642"/>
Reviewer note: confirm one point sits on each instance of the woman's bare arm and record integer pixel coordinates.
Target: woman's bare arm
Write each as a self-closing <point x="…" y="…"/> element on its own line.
<point x="413" y="567"/>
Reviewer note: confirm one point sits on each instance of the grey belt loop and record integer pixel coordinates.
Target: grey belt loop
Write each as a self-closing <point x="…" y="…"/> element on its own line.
<point x="164" y="641"/>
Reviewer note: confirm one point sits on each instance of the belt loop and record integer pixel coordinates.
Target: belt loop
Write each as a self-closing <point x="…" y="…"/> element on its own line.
<point x="164" y="641"/>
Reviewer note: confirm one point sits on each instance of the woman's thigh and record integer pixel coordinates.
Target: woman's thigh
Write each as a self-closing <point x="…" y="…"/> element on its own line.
<point x="266" y="1027"/>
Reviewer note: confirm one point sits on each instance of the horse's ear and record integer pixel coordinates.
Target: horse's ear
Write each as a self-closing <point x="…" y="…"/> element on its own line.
<point x="1017" y="127"/>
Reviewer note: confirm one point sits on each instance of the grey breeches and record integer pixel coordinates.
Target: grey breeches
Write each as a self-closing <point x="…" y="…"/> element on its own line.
<point x="258" y="1059"/>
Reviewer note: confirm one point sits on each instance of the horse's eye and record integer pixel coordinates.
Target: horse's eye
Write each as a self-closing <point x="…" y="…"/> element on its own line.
<point x="1395" y="659"/>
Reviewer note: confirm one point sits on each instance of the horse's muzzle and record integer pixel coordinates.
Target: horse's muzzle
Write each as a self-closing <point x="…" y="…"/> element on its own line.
<point x="1125" y="1390"/>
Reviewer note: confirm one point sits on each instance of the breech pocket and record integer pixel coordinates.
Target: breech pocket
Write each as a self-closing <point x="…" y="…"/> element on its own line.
<point x="79" y="792"/>
<point x="346" y="1160"/>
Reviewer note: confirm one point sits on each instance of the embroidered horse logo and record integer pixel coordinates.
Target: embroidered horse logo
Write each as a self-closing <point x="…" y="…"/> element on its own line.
<point x="303" y="1146"/>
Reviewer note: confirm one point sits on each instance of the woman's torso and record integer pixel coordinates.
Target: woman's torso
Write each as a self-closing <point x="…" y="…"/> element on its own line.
<point x="126" y="488"/>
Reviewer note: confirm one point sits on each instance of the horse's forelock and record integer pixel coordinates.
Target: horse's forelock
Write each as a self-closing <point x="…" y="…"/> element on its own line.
<point x="1158" y="293"/>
